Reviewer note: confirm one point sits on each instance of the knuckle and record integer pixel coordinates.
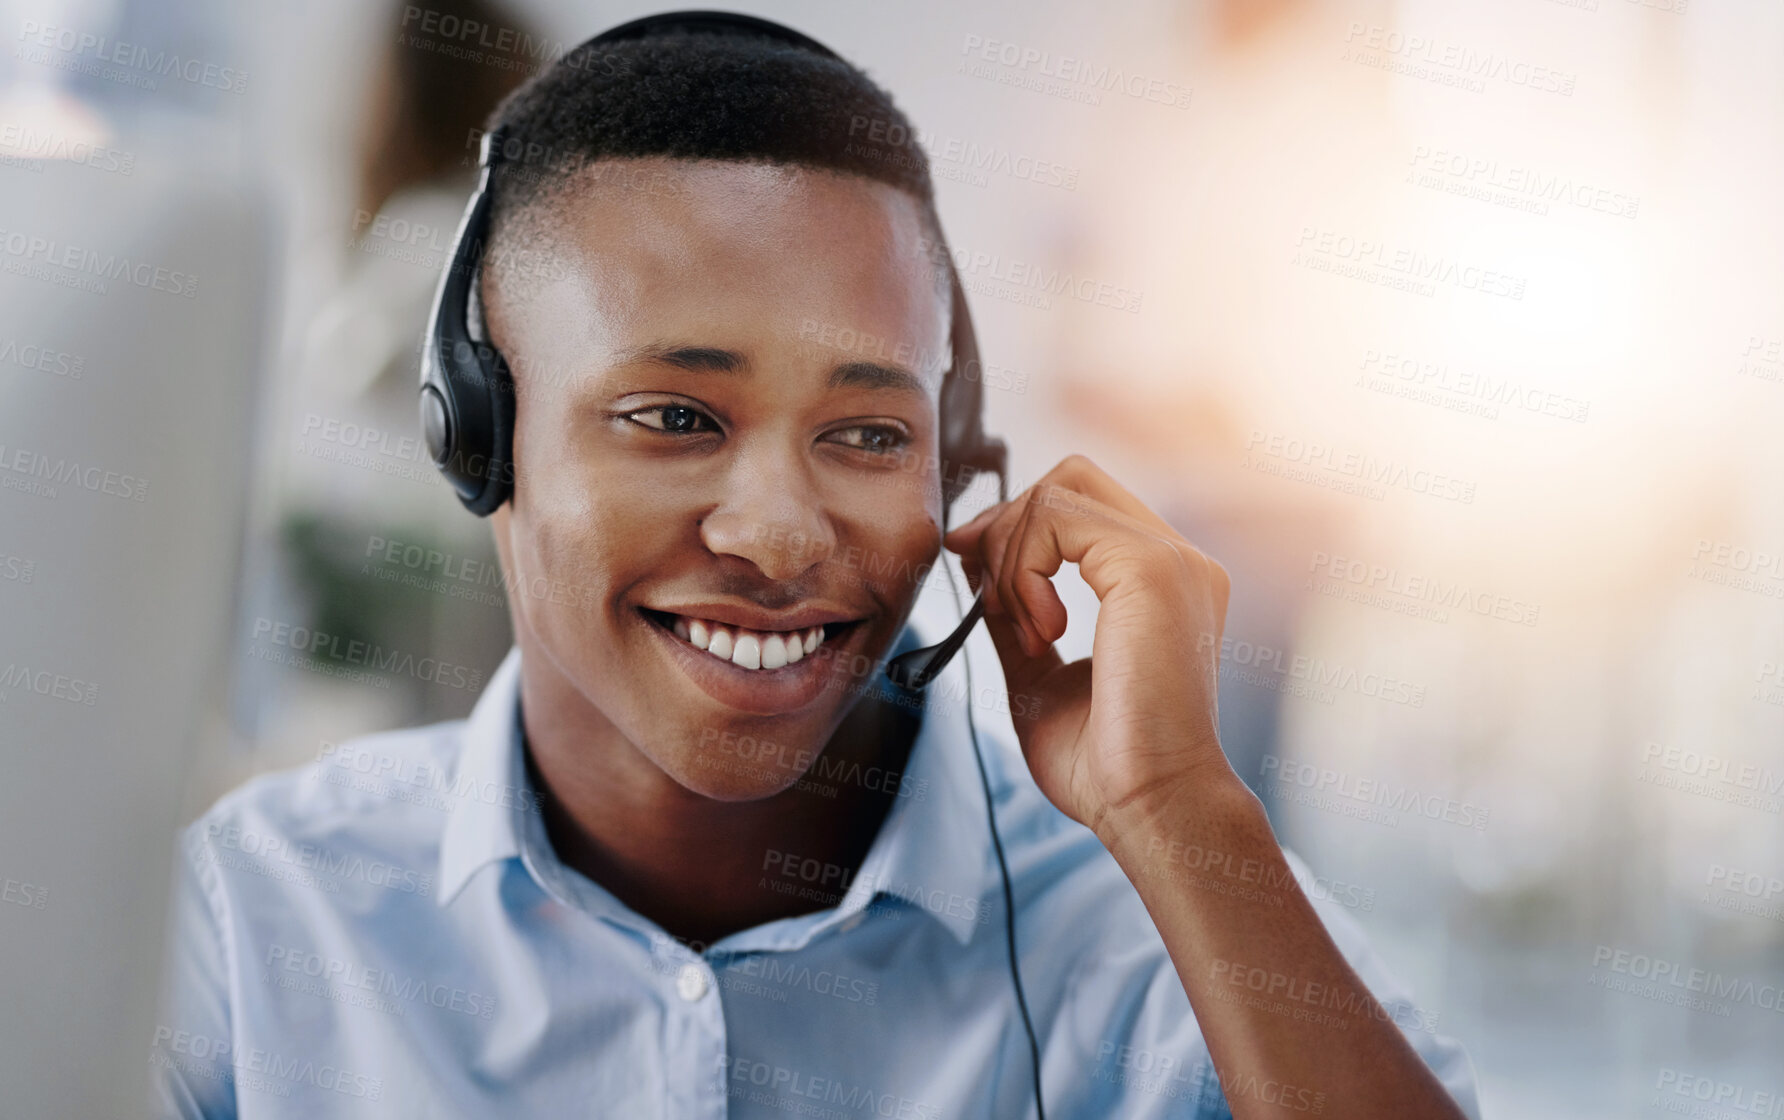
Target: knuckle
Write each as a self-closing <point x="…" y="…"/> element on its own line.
<point x="1157" y="564"/>
<point x="1167" y="557"/>
<point x="1219" y="577"/>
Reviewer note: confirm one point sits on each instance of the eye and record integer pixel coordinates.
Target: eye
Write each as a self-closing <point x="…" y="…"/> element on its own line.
<point x="674" y="418"/>
<point x="876" y="439"/>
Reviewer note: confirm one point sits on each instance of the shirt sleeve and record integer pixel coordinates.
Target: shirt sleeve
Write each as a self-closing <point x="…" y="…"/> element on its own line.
<point x="191" y="1057"/>
<point x="1443" y="1055"/>
<point x="1127" y="1043"/>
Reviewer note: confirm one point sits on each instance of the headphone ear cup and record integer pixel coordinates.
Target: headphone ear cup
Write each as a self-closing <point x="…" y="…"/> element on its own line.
<point x="496" y="468"/>
<point x="467" y="395"/>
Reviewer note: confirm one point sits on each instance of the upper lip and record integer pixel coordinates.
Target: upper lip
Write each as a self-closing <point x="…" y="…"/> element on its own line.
<point x="748" y="617"/>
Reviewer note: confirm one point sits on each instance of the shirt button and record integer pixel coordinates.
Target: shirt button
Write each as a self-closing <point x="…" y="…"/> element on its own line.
<point x="690" y="982"/>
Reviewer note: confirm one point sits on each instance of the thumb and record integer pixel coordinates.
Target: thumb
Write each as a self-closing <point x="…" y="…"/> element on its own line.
<point x="1021" y="668"/>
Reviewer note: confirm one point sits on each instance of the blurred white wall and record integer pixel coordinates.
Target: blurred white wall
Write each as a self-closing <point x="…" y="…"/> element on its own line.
<point x="121" y="534"/>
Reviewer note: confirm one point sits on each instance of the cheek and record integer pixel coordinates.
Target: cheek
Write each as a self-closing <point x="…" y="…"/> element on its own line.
<point x="560" y="523"/>
<point x="570" y="544"/>
<point x="892" y="555"/>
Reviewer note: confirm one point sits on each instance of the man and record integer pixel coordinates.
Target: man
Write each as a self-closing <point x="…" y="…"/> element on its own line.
<point x="692" y="856"/>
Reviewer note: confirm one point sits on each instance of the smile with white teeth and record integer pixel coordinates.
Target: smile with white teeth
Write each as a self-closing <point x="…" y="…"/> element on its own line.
<point x="748" y="649"/>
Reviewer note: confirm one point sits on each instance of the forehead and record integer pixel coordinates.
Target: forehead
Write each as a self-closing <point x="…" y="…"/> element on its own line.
<point x="665" y="250"/>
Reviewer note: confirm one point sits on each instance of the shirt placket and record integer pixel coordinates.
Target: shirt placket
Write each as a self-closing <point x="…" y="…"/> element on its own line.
<point x="694" y="1032"/>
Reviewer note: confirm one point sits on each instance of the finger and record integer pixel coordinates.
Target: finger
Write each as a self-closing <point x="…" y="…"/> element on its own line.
<point x="975" y="574"/>
<point x="962" y="538"/>
<point x="1025" y="600"/>
<point x="1077" y="472"/>
<point x="988" y="549"/>
<point x="1105" y="543"/>
<point x="1021" y="669"/>
<point x="1022" y="660"/>
<point x="1000" y="578"/>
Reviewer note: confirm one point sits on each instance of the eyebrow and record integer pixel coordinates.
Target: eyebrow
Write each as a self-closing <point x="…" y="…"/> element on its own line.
<point x="874" y="375"/>
<point x="695" y="359"/>
<point x="713" y="359"/>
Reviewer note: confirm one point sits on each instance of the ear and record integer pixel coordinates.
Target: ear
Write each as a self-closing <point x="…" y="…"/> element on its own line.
<point x="498" y="528"/>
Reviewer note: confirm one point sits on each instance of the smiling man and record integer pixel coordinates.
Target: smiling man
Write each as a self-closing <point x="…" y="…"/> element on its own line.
<point x="693" y="855"/>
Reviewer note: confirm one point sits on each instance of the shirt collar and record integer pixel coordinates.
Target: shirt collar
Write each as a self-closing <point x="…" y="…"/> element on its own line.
<point x="932" y="851"/>
<point x="483" y="825"/>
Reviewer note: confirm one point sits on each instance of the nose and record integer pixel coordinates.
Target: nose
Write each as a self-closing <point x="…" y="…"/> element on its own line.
<point x="772" y="515"/>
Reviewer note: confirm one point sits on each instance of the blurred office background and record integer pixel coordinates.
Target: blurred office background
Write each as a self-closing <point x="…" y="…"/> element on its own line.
<point x="1454" y="328"/>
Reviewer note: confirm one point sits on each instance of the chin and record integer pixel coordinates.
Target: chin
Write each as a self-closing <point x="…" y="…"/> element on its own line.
<point x="728" y="764"/>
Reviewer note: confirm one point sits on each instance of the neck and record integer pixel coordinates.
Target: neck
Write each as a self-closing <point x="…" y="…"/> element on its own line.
<point x="696" y="866"/>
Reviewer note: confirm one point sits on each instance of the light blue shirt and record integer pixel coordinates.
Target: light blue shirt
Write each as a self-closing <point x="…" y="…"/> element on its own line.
<point x="387" y="932"/>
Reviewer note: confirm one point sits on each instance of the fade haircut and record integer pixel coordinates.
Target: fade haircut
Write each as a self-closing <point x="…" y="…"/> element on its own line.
<point x="699" y="94"/>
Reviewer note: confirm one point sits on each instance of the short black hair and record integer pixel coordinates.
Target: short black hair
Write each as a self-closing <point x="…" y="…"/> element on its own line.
<point x="702" y="94"/>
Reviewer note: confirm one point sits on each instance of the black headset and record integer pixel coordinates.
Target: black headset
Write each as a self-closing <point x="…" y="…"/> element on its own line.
<point x="467" y="405"/>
